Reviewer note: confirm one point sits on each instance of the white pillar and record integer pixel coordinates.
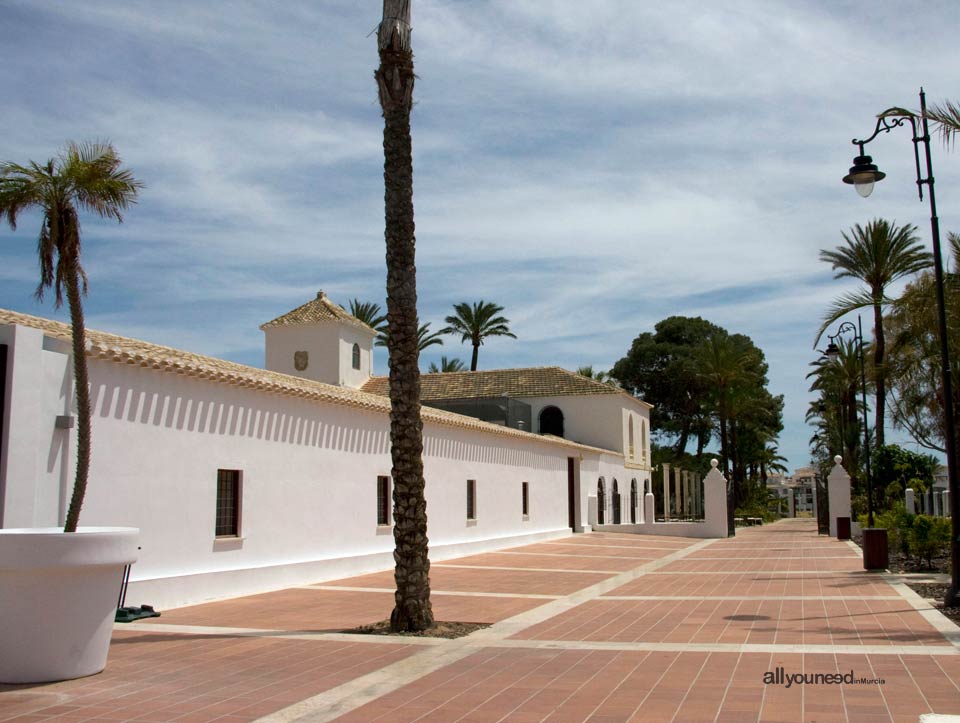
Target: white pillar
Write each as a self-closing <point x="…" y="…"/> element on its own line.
<point x="678" y="493"/>
<point x="909" y="501"/>
<point x="649" y="508"/>
<point x="666" y="490"/>
<point x="792" y="502"/>
<point x="945" y="502"/>
<point x="715" y="501"/>
<point x="838" y="494"/>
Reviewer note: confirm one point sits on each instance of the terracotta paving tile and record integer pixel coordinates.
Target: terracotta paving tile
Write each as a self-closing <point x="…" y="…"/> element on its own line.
<point x="517" y="582"/>
<point x="550" y="560"/>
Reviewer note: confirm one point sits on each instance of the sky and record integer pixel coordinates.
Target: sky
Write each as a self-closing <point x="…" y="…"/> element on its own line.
<point x="592" y="167"/>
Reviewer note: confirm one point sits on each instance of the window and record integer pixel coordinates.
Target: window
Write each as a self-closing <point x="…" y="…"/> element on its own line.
<point x="356" y="356"/>
<point x="551" y="421"/>
<point x="601" y="501"/>
<point x="471" y="499"/>
<point x="525" y="491"/>
<point x="631" y="448"/>
<point x="383" y="500"/>
<point x="228" y="503"/>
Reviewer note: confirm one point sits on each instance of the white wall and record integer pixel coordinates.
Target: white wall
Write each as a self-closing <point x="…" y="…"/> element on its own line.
<point x="597" y="420"/>
<point x="348" y="376"/>
<point x="309" y="472"/>
<point x="35" y="461"/>
<point x="321" y="341"/>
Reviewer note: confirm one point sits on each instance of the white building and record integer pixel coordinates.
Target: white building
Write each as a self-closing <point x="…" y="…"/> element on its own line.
<point x="243" y="480"/>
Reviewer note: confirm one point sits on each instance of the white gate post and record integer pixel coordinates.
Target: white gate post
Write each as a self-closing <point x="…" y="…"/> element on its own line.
<point x="838" y="494"/>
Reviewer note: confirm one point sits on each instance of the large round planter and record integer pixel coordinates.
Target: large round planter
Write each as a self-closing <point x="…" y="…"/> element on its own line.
<point x="58" y="598"/>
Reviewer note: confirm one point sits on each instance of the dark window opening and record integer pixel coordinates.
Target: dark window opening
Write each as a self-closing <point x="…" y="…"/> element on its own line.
<point x="356" y="356"/>
<point x="601" y="502"/>
<point x="228" y="503"/>
<point x="526" y="498"/>
<point x="383" y="500"/>
<point x="471" y="499"/>
<point x="551" y="421"/>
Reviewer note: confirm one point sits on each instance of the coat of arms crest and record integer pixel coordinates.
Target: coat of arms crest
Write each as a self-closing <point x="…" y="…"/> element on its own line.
<point x="299" y="360"/>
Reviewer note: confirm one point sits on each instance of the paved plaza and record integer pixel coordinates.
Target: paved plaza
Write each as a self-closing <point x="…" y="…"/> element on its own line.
<point x="776" y="624"/>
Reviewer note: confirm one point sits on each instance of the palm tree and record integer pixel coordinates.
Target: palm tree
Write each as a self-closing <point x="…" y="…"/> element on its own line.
<point x="84" y="176"/>
<point x="424" y="337"/>
<point x="598" y="376"/>
<point x="878" y="255"/>
<point x="412" y="610"/>
<point x="446" y="365"/>
<point x="946" y="119"/>
<point x="370" y="314"/>
<point x="475" y="323"/>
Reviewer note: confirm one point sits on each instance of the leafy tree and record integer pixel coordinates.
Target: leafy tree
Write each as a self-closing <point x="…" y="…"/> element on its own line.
<point x="878" y="255"/>
<point x="395" y="80"/>
<point x="896" y="468"/>
<point x="447" y="365"/>
<point x="477" y="322"/>
<point x="661" y="367"/>
<point x="914" y="366"/>
<point x="87" y="177"/>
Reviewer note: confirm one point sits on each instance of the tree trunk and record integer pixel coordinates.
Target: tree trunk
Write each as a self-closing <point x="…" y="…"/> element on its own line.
<point x="473" y="360"/>
<point x="395" y="79"/>
<point x="879" y="351"/>
<point x="82" y="391"/>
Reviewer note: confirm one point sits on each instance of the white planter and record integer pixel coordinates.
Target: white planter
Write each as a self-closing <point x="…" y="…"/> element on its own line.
<point x="58" y="597"/>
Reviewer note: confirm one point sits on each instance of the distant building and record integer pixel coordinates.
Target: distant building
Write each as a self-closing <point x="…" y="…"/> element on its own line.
<point x="798" y="488"/>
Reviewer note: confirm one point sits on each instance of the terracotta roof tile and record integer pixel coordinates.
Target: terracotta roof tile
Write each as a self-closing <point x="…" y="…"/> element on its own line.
<point x="530" y="382"/>
<point x="317" y="310"/>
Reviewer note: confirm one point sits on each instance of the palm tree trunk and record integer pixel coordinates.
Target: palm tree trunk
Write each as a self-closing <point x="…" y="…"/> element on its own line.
<point x="879" y="350"/>
<point x="82" y="390"/>
<point x="473" y="360"/>
<point x="395" y="79"/>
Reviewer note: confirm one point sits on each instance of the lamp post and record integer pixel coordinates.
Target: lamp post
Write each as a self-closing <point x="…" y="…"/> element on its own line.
<point x="832" y="353"/>
<point x="863" y="174"/>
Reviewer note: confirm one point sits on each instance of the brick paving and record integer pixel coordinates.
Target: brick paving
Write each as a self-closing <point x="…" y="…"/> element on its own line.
<point x="599" y="627"/>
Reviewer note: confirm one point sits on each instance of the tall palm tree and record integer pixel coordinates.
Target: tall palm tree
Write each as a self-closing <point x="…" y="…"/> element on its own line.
<point x="446" y="366"/>
<point x="878" y="255"/>
<point x="477" y="322"/>
<point x="412" y="610"/>
<point x="370" y="314"/>
<point x="598" y="376"/>
<point x="87" y="177"/>
<point x="425" y="338"/>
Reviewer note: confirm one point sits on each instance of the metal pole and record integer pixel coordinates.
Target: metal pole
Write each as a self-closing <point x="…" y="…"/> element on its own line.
<point x="866" y="430"/>
<point x="953" y="593"/>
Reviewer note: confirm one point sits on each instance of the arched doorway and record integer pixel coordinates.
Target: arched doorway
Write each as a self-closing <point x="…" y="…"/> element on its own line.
<point x="551" y="421"/>
<point x="616" y="503"/>
<point x="633" y="501"/>
<point x="601" y="502"/>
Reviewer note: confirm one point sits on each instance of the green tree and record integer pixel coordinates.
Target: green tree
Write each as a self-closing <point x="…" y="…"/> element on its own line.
<point x="425" y="338"/>
<point x="599" y="376"/>
<point x="878" y="255"/>
<point x="661" y="367"/>
<point x="395" y="80"/>
<point x="895" y="469"/>
<point x="447" y="365"/>
<point x="87" y="177"/>
<point x="370" y="314"/>
<point x="914" y="365"/>
<point x="476" y="323"/>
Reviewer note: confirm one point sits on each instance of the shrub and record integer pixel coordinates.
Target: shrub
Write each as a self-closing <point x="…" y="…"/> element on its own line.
<point x="929" y="537"/>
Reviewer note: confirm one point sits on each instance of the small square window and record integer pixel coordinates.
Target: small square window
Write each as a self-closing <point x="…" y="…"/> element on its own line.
<point x="383" y="500"/>
<point x="228" y="503"/>
<point x="526" y="498"/>
<point x="471" y="499"/>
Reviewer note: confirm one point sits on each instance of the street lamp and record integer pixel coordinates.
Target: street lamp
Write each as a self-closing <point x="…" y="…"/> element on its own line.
<point x="863" y="174"/>
<point x="833" y="353"/>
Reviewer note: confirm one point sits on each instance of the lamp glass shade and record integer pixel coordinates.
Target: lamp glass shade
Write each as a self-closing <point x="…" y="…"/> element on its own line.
<point x="864" y="188"/>
<point x="832" y="352"/>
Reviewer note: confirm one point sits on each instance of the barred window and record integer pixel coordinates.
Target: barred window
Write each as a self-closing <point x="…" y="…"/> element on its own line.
<point x="471" y="499"/>
<point x="383" y="500"/>
<point x="525" y="491"/>
<point x="228" y="503"/>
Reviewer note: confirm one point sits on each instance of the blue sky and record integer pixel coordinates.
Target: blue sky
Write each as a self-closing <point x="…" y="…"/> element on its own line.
<point x="592" y="167"/>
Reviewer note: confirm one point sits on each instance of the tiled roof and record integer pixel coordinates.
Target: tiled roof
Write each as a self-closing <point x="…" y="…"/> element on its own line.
<point x="531" y="382"/>
<point x="315" y="310"/>
<point x="124" y="350"/>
